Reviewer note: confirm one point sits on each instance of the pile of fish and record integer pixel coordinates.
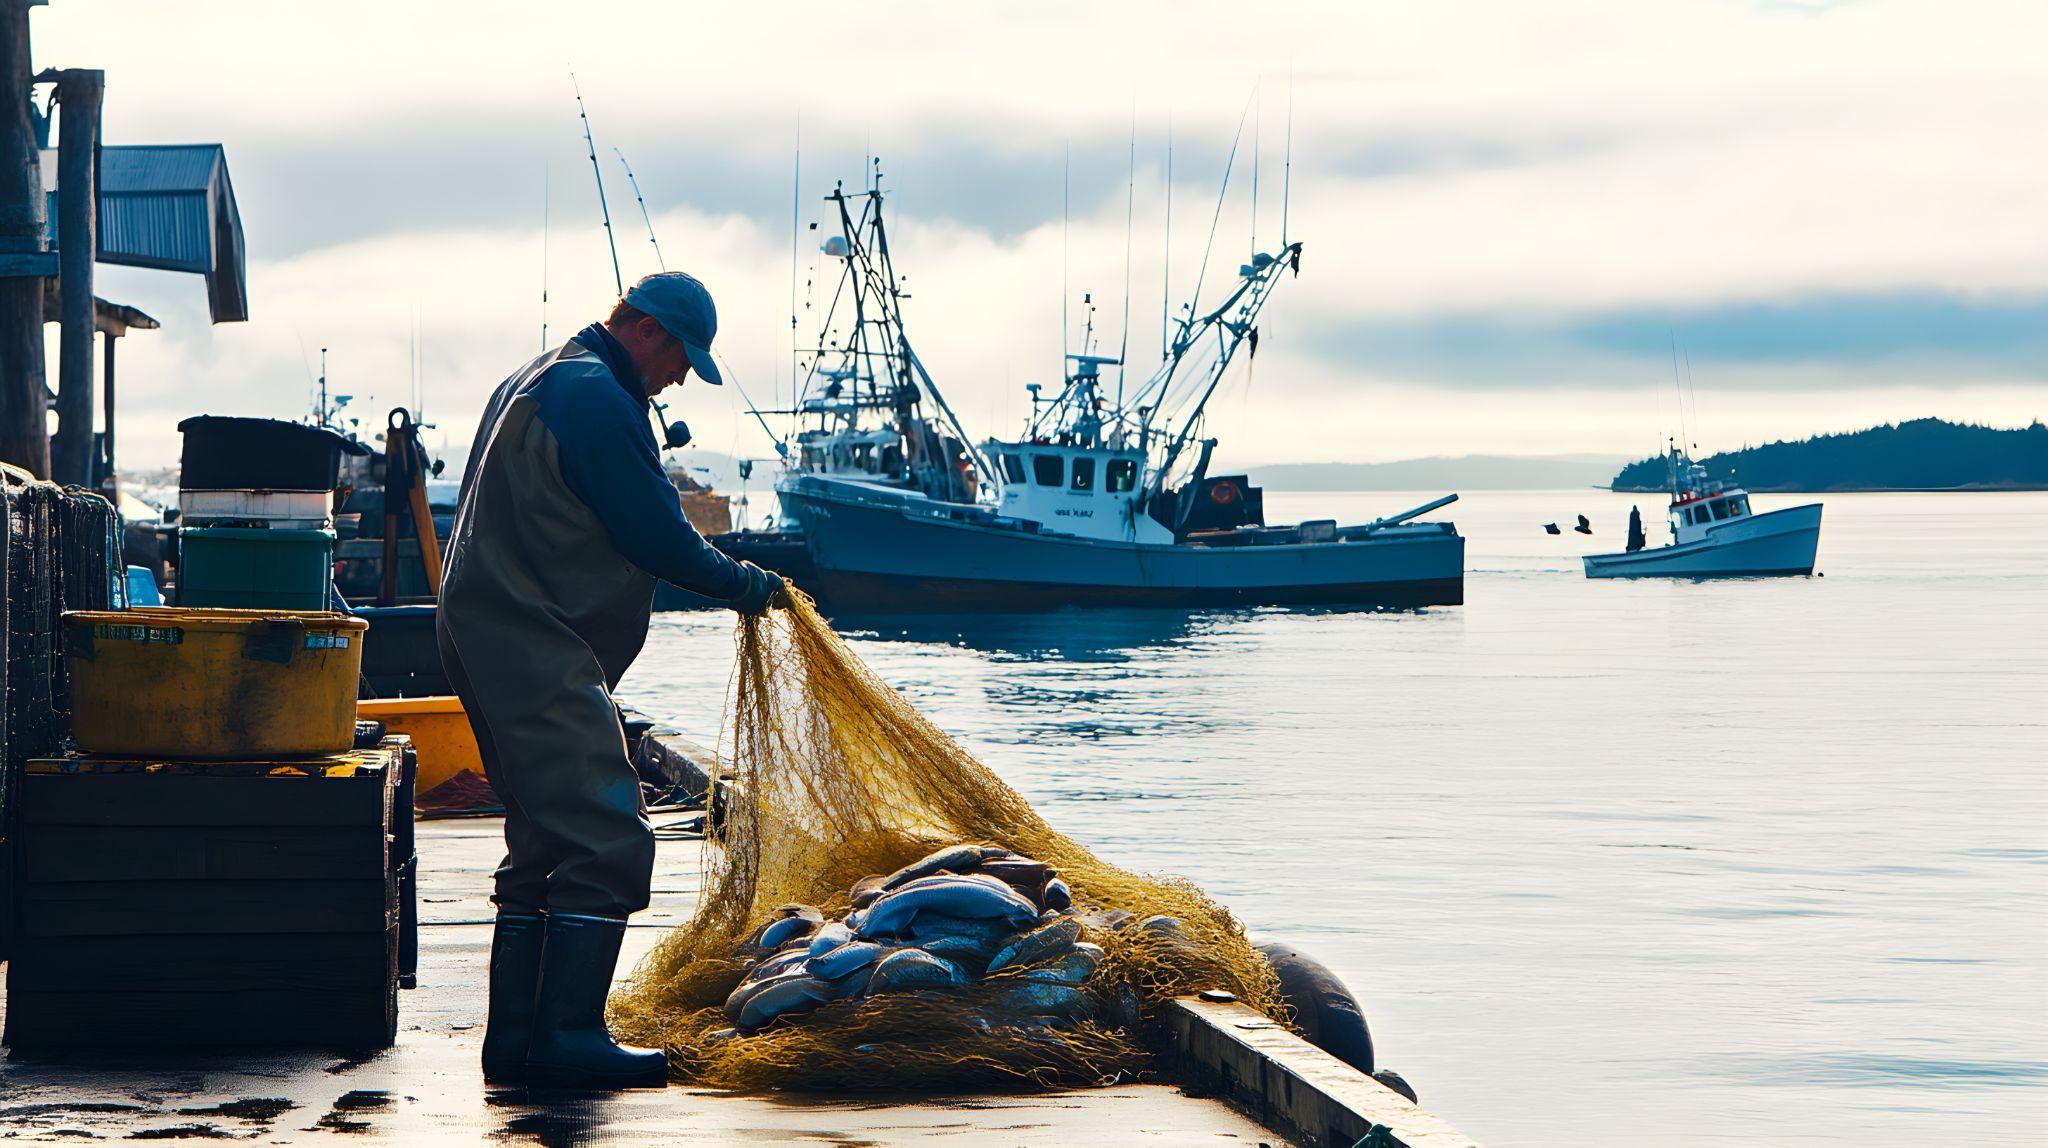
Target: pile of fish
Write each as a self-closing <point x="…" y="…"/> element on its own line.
<point x="964" y="914"/>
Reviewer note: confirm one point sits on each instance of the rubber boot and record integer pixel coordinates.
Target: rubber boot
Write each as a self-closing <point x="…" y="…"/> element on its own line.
<point x="515" y="977"/>
<point x="571" y="1048"/>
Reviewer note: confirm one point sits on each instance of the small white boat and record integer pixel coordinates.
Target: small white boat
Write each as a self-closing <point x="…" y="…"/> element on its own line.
<point x="1714" y="534"/>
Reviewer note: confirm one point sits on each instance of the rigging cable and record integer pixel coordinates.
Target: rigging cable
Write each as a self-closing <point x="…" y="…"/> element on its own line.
<point x="1166" y="260"/>
<point x="1130" y="211"/>
<point x="1195" y="301"/>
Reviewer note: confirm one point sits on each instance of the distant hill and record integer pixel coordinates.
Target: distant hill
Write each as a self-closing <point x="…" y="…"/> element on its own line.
<point x="1467" y="472"/>
<point x="1924" y="454"/>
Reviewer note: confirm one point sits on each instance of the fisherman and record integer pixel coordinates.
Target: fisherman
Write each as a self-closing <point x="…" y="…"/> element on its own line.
<point x="566" y="520"/>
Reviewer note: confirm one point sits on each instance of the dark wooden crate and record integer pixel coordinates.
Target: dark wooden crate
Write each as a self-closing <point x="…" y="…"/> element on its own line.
<point x="168" y="903"/>
<point x="314" y="989"/>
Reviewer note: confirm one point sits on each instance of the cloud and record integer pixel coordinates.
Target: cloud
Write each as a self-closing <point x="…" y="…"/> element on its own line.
<point x="1838" y="208"/>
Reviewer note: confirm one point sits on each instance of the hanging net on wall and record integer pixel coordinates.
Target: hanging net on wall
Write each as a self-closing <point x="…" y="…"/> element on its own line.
<point x="1004" y="955"/>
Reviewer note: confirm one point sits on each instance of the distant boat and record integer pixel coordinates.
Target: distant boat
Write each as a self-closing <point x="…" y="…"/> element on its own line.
<point x="1714" y="534"/>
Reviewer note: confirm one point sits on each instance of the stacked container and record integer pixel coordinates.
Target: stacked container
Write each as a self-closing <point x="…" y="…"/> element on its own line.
<point x="256" y="529"/>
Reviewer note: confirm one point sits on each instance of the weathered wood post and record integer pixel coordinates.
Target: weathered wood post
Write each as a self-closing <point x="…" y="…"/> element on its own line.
<point x="24" y="261"/>
<point x="107" y="344"/>
<point x="79" y="92"/>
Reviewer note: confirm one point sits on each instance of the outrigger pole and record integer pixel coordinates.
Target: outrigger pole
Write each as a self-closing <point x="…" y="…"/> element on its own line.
<point x="644" y="217"/>
<point x="591" y="145"/>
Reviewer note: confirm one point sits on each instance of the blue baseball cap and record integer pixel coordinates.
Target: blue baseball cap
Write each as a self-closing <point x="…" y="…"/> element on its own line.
<point x="684" y="309"/>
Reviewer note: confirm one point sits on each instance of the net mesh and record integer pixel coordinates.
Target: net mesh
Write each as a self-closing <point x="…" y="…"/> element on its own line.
<point x="831" y="776"/>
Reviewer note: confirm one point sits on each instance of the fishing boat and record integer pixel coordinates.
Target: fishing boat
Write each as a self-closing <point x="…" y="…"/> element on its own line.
<point x="1715" y="534"/>
<point x="1105" y="499"/>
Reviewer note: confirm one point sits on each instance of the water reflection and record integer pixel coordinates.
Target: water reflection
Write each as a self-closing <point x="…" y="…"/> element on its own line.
<point x="1052" y="635"/>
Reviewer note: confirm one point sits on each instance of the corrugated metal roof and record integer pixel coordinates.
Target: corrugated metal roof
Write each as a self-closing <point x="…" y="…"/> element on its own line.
<point x="159" y="168"/>
<point x="168" y="232"/>
<point x="171" y="207"/>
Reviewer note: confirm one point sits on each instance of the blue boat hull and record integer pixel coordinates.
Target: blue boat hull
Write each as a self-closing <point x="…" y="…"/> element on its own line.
<point x="1780" y="543"/>
<point x="874" y="554"/>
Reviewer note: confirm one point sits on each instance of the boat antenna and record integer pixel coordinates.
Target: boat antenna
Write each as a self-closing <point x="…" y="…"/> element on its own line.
<point x="796" y="181"/>
<point x="1166" y="260"/>
<point x="590" y="145"/>
<point x="1692" y="393"/>
<point x="546" y="177"/>
<point x="642" y="201"/>
<point x="1130" y="211"/>
<point x="1677" y="387"/>
<point x="1287" y="165"/>
<point x="1066" y="192"/>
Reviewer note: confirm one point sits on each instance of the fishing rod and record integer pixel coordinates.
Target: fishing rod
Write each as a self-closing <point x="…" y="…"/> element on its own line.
<point x="644" y="217"/>
<point x="589" y="144"/>
<point x="674" y="435"/>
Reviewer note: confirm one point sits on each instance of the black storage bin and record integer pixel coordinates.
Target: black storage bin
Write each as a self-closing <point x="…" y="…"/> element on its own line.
<point x="227" y="453"/>
<point x="401" y="658"/>
<point x="226" y="904"/>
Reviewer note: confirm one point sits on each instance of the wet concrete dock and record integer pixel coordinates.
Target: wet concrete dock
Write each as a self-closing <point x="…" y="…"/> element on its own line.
<point x="428" y="1090"/>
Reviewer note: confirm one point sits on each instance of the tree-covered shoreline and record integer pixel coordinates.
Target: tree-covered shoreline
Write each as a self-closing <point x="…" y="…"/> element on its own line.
<point x="1923" y="454"/>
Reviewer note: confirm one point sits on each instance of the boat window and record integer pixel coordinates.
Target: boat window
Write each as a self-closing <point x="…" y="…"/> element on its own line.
<point x="1699" y="516"/>
<point x="1738" y="506"/>
<point x="1048" y="469"/>
<point x="1013" y="468"/>
<point x="1720" y="508"/>
<point x="1122" y="475"/>
<point x="1084" y="474"/>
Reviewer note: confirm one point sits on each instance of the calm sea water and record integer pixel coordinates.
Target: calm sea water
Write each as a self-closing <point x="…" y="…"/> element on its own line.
<point x="1608" y="863"/>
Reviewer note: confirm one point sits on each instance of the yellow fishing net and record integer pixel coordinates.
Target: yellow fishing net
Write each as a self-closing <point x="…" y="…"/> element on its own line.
<point x="830" y="776"/>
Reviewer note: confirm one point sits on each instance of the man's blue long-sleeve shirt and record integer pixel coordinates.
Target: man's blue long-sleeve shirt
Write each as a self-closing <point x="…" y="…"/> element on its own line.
<point x="597" y="411"/>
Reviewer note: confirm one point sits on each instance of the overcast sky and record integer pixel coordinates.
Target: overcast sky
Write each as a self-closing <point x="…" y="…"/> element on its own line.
<point x="1840" y="210"/>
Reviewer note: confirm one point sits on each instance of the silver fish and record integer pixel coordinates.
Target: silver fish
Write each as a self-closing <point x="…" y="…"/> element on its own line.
<point x="784" y="996"/>
<point x="829" y="937"/>
<point x="1022" y="872"/>
<point x="969" y="952"/>
<point x="932" y="926"/>
<point x="737" y="1002"/>
<point x="1072" y="967"/>
<point x="952" y="897"/>
<point x="1038" y="945"/>
<point x="1044" y="998"/>
<point x="772" y="966"/>
<point x="847" y="958"/>
<point x="956" y="858"/>
<point x="1107" y="920"/>
<point x="777" y="933"/>
<point x="866" y="890"/>
<point x="1056" y="895"/>
<point x="913" y="969"/>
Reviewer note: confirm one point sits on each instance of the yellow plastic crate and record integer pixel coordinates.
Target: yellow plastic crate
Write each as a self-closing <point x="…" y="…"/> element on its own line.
<point x="213" y="684"/>
<point x="440" y="733"/>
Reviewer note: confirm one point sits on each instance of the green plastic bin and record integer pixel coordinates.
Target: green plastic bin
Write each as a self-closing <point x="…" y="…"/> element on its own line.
<point x="251" y="568"/>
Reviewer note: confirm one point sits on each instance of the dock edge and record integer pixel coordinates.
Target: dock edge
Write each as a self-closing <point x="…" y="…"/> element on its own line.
<point x="1291" y="1085"/>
